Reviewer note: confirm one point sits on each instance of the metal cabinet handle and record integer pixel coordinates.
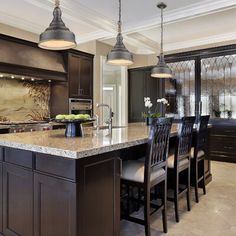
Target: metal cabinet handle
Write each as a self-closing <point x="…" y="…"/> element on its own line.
<point x="226" y="147"/>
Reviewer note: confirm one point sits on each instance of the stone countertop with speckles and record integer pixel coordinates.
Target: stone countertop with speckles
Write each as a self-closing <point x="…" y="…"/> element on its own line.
<point x="54" y="142"/>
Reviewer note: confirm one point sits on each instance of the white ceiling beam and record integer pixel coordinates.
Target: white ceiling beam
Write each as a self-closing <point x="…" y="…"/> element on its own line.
<point x="181" y="14"/>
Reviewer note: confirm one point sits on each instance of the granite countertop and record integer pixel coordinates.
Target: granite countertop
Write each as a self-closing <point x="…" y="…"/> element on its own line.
<point x="55" y="143"/>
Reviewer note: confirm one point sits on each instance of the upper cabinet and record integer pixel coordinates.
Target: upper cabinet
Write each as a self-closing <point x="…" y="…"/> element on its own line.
<point x="80" y="75"/>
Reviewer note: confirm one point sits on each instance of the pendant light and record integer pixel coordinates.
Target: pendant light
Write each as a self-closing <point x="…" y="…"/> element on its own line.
<point x="161" y="70"/>
<point x="119" y="55"/>
<point x="57" y="36"/>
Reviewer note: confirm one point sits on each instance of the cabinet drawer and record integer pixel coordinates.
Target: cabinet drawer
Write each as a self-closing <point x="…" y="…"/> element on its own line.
<point x="223" y="144"/>
<point x="224" y="130"/>
<point x="19" y="157"/>
<point x="55" y="165"/>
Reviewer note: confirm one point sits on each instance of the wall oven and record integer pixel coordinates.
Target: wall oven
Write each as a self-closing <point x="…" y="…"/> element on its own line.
<point x="81" y="106"/>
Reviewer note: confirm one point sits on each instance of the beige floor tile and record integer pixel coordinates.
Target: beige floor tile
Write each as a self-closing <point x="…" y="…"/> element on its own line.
<point x="214" y="215"/>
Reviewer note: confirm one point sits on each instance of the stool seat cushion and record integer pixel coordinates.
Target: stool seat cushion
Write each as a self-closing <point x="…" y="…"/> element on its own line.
<point x="134" y="171"/>
<point x="199" y="154"/>
<point x="171" y="160"/>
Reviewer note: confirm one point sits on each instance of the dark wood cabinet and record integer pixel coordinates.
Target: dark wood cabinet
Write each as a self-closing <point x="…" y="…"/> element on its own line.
<point x="54" y="204"/>
<point x="47" y="195"/>
<point x="80" y="74"/>
<point x="17" y="201"/>
<point x="222" y="141"/>
<point x="141" y="85"/>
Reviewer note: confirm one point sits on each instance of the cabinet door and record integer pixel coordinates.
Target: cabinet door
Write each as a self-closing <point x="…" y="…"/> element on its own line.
<point x="86" y="78"/>
<point x="17" y="201"/>
<point x="99" y="196"/>
<point x="54" y="205"/>
<point x="74" y="71"/>
<point x="80" y="76"/>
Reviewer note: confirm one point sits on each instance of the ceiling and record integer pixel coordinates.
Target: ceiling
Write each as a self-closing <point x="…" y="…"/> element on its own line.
<point x="188" y="23"/>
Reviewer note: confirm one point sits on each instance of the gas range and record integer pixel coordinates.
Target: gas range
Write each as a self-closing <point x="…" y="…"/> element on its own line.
<point x="26" y="126"/>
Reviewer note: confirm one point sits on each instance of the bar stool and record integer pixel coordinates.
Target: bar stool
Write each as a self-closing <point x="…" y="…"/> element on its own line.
<point x="179" y="164"/>
<point x="150" y="173"/>
<point x="198" y="154"/>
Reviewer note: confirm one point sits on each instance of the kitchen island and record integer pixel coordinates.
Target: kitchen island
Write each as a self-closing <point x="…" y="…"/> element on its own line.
<point x="57" y="186"/>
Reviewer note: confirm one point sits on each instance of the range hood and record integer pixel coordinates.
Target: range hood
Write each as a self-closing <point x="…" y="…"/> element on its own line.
<point x="25" y="58"/>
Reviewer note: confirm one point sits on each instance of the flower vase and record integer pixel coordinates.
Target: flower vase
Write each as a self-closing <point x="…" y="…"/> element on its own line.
<point x="149" y="120"/>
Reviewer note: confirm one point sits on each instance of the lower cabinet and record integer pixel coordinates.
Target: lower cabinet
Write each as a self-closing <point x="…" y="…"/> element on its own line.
<point x="46" y="195"/>
<point x="17" y="201"/>
<point x="55" y="205"/>
<point x="1" y="211"/>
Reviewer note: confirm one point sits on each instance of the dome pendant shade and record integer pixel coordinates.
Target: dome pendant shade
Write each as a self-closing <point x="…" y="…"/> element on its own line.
<point x="119" y="55"/>
<point x="161" y="70"/>
<point x="57" y="36"/>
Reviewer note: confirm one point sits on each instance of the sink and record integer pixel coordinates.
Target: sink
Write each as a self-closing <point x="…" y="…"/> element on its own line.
<point x="113" y="127"/>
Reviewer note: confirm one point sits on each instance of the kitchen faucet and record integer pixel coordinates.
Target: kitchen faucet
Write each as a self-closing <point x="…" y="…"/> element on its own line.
<point x="111" y="114"/>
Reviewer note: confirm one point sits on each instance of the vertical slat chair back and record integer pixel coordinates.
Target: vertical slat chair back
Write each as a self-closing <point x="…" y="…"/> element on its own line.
<point x="201" y="139"/>
<point x="158" y="144"/>
<point x="184" y="138"/>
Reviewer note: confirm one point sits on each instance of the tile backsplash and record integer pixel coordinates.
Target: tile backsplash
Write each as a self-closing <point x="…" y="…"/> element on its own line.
<point x="24" y="100"/>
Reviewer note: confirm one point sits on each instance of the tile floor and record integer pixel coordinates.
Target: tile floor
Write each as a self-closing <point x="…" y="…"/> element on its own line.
<point x="214" y="215"/>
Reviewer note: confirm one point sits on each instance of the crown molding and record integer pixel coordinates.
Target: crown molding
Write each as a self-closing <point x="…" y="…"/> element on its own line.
<point x="19" y="22"/>
<point x="77" y="12"/>
<point x="201" y="42"/>
<point x="181" y="14"/>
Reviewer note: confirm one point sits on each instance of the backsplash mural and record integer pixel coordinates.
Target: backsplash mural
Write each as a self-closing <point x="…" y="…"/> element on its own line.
<point x="23" y="100"/>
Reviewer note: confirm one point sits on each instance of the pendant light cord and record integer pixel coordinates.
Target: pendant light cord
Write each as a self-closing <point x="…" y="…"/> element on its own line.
<point x="119" y="22"/>
<point x="57" y="3"/>
<point x="162" y="29"/>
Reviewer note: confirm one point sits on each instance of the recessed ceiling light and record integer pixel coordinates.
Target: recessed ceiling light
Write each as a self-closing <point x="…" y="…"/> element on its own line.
<point x="1" y="76"/>
<point x="32" y="79"/>
<point x="23" y="78"/>
<point x="13" y="77"/>
<point x="49" y="81"/>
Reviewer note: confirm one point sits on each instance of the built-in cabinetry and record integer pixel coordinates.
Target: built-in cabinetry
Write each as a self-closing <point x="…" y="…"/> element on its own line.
<point x="222" y="143"/>
<point x="203" y="83"/>
<point x="44" y="195"/>
<point x="80" y="75"/>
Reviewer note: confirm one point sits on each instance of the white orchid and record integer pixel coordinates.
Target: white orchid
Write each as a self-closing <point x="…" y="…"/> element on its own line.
<point x="164" y="101"/>
<point x="148" y="104"/>
<point x="147" y="99"/>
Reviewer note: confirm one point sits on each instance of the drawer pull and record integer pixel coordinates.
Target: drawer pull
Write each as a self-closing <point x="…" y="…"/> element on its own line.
<point x="225" y="147"/>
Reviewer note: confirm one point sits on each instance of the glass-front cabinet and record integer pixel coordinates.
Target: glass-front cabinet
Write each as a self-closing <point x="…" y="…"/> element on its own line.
<point x="218" y="86"/>
<point x="204" y="82"/>
<point x="180" y="90"/>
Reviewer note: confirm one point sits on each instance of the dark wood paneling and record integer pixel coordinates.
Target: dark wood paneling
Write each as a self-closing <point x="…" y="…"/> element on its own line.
<point x="55" y="165"/>
<point x="17" y="201"/>
<point x="55" y="207"/>
<point x="99" y="196"/>
<point x="136" y="86"/>
<point x="19" y="157"/>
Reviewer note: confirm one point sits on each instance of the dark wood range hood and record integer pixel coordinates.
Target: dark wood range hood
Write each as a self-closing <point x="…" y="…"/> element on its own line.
<point x="25" y="58"/>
